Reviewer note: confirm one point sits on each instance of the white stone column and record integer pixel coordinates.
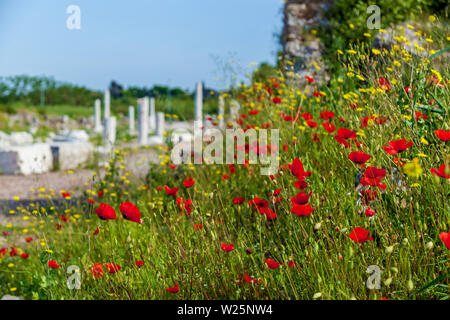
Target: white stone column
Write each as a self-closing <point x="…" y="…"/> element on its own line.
<point x="131" y="128"/>
<point x="142" y="121"/>
<point x="98" y="116"/>
<point x="109" y="131"/>
<point x="221" y="114"/>
<point x="198" y="111"/>
<point x="152" y="119"/>
<point x="160" y="124"/>
<point x="107" y="104"/>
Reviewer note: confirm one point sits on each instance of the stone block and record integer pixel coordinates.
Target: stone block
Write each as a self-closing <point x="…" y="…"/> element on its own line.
<point x="29" y="159"/>
<point x="71" y="155"/>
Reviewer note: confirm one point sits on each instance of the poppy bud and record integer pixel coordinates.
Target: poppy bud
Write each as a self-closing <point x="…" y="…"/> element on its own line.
<point x="405" y="242"/>
<point x="429" y="245"/>
<point x="410" y="285"/>
<point x="388" y="282"/>
<point x="394" y="269"/>
<point x="389" y="249"/>
<point x="317" y="295"/>
<point x="317" y="226"/>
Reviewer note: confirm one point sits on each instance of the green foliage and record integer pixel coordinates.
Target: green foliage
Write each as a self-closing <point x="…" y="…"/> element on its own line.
<point x="264" y="72"/>
<point x="348" y="20"/>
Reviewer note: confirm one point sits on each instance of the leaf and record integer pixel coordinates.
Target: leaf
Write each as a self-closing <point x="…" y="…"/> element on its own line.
<point x="438" y="53"/>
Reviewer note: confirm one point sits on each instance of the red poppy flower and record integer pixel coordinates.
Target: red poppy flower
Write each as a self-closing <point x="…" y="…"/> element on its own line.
<point x="300" y="184"/>
<point x="130" y="212"/>
<point x="397" y="146"/>
<point x="329" y="127"/>
<point x="173" y="289"/>
<point x="232" y="168"/>
<point x="52" y="264"/>
<point x="100" y="193"/>
<point x="360" y="235"/>
<point x="383" y="84"/>
<point x="346" y="134"/>
<point x="65" y="219"/>
<point x="96" y="231"/>
<point x="275" y="192"/>
<point x="399" y="162"/>
<point x="369" y="195"/>
<point x="374" y="173"/>
<point x="307" y="116"/>
<point x="326" y="115"/>
<point x="270" y="215"/>
<point x="311" y="124"/>
<point x="13" y="252"/>
<point x="227" y="247"/>
<point x="3" y="252"/>
<point x="97" y="270"/>
<point x="443" y="172"/>
<point x="272" y="264"/>
<point x="198" y="226"/>
<point x="297" y="169"/>
<point x="420" y="115"/>
<point x="188" y="182"/>
<point x="445" y="237"/>
<point x="301" y="198"/>
<point x="172" y="166"/>
<point x="369" y="212"/>
<point x="409" y="89"/>
<point x="253" y="112"/>
<point x="309" y="79"/>
<point x="276" y="100"/>
<point x="292" y="264"/>
<point x="238" y="200"/>
<point x="373" y="176"/>
<point x="113" y="267"/>
<point x="171" y="192"/>
<point x="258" y="203"/>
<point x="302" y="209"/>
<point x="28" y="239"/>
<point x="317" y="94"/>
<point x="250" y="279"/>
<point x="442" y="135"/>
<point x="24" y="255"/>
<point x="105" y="212"/>
<point x="90" y="201"/>
<point x="65" y="195"/>
<point x="359" y="157"/>
<point x="139" y="263"/>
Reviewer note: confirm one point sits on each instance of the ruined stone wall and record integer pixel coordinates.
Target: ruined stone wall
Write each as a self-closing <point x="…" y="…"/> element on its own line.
<point x="300" y="45"/>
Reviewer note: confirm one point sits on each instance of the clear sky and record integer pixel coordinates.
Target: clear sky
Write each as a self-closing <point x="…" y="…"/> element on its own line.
<point x="136" y="42"/>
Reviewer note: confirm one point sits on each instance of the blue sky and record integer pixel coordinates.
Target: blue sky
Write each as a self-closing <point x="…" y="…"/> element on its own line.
<point x="136" y="42"/>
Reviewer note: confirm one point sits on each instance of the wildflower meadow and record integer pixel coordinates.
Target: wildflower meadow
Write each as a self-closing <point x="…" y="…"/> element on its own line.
<point x="356" y="208"/>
